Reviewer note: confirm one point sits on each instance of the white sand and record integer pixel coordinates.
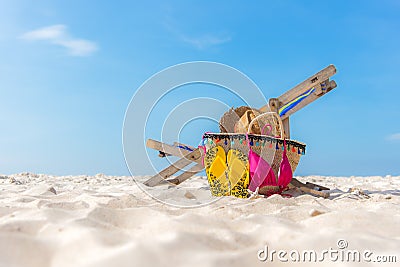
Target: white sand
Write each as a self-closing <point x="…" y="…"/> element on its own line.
<point x="108" y="221"/>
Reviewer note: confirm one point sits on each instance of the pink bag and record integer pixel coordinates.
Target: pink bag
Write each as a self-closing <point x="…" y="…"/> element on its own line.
<point x="261" y="173"/>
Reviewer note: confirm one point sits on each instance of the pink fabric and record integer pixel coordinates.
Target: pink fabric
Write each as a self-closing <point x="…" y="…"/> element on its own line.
<point x="204" y="153"/>
<point x="285" y="170"/>
<point x="261" y="173"/>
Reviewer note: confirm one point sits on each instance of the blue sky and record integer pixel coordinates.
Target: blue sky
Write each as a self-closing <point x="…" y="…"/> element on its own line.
<point x="68" y="70"/>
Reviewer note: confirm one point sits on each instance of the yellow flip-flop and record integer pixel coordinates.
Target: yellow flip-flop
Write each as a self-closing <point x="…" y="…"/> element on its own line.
<point x="238" y="173"/>
<point x="215" y="164"/>
<point x="211" y="154"/>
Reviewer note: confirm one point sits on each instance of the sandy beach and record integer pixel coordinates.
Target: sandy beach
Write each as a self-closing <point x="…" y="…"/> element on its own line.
<point x="217" y="97"/>
<point x="109" y="221"/>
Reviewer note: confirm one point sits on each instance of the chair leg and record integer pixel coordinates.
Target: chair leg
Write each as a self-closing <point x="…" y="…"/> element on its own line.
<point x="172" y="169"/>
<point x="303" y="187"/>
<point x="185" y="175"/>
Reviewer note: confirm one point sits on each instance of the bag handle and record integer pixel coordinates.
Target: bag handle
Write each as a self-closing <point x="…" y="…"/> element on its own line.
<point x="269" y="130"/>
<point x="268" y="114"/>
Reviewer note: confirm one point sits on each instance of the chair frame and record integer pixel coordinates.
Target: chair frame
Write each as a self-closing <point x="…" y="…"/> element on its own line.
<point x="319" y="82"/>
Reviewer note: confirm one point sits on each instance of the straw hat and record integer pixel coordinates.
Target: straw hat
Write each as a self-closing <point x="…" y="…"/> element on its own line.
<point x="233" y="116"/>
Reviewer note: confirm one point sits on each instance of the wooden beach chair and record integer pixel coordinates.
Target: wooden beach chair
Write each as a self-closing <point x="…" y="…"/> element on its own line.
<point x="285" y="105"/>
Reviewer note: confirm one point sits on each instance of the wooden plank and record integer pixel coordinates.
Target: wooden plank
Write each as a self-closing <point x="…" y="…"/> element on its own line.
<point x="273" y="105"/>
<point x="286" y="127"/>
<point x="307" y="84"/>
<point x="186" y="175"/>
<point x="303" y="187"/>
<point x="314" y="186"/>
<point x="179" y="152"/>
<point x="332" y="85"/>
<point x="186" y="156"/>
<point x="173" y="168"/>
<point x="308" y="100"/>
<point x="173" y="150"/>
<point x="318" y="90"/>
<point x="180" y="144"/>
<point x="163" y="154"/>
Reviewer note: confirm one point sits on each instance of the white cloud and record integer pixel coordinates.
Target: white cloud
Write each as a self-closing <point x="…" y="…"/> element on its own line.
<point x="205" y="41"/>
<point x="78" y="47"/>
<point x="58" y="35"/>
<point x="198" y="41"/>
<point x="395" y="136"/>
<point x="47" y="33"/>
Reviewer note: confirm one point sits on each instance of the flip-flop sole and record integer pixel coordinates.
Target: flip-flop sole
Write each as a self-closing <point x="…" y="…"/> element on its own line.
<point x="215" y="163"/>
<point x="238" y="173"/>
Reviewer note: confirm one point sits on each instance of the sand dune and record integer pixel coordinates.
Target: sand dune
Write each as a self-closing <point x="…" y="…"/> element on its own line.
<point x="109" y="221"/>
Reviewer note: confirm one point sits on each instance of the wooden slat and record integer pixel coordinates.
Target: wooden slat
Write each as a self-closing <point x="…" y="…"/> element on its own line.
<point x="173" y="150"/>
<point x="332" y="85"/>
<point x="186" y="175"/>
<point x="180" y="144"/>
<point x="305" y="85"/>
<point x="173" y="168"/>
<point x="186" y="156"/>
<point x="313" y="186"/>
<point x="273" y="105"/>
<point x="308" y="84"/>
<point x="179" y="152"/>
<point x="286" y="127"/>
<point x="303" y="187"/>
<point x="308" y="100"/>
